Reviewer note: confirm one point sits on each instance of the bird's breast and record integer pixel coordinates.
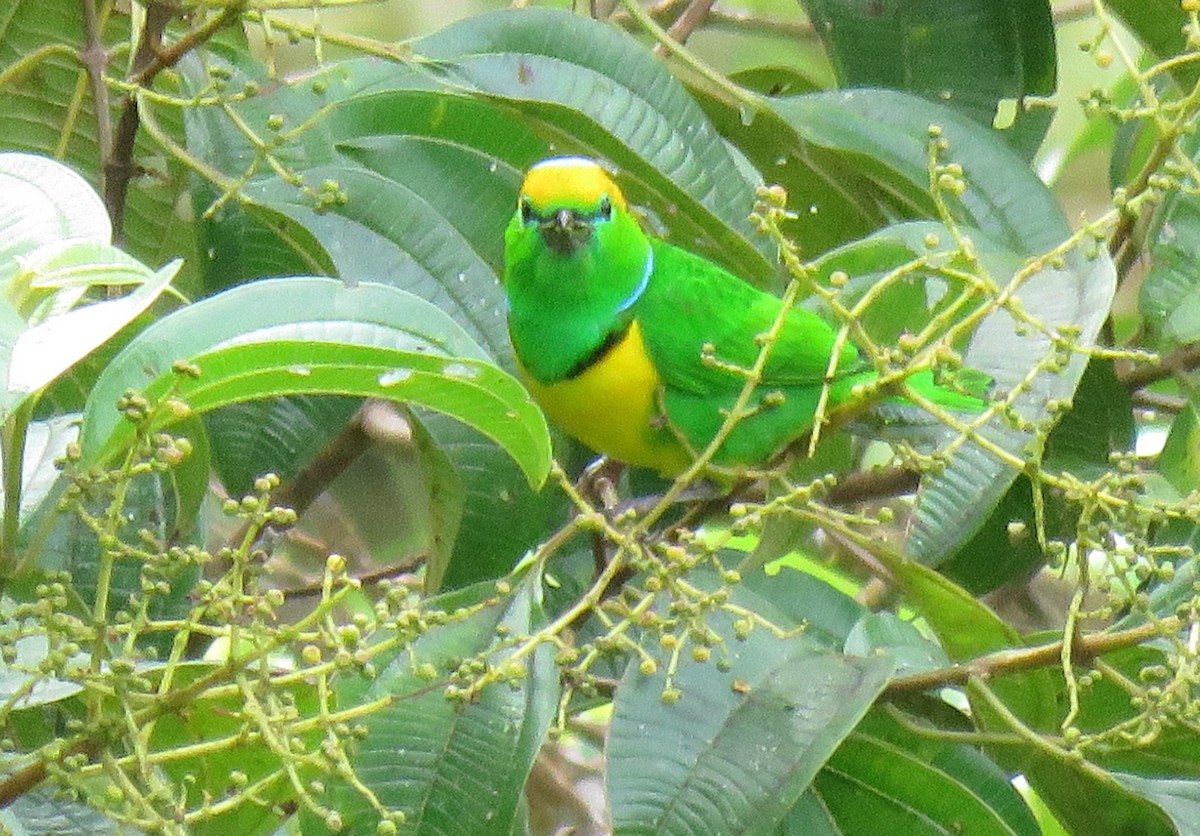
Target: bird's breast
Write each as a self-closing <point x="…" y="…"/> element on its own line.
<point x="612" y="407"/>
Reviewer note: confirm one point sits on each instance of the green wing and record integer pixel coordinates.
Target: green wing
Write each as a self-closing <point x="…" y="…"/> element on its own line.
<point x="690" y="303"/>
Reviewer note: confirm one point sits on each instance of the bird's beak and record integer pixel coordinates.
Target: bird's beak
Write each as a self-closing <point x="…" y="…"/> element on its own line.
<point x="565" y="232"/>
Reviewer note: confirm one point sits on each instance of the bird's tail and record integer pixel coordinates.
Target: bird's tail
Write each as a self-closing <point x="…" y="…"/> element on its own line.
<point x="898" y="418"/>
<point x="965" y="391"/>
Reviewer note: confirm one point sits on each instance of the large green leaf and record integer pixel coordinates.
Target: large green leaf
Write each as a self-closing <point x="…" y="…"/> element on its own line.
<point x="953" y="504"/>
<point x="1075" y="298"/>
<point x="230" y="733"/>
<point x="274" y="435"/>
<point x="54" y="254"/>
<point x="400" y="225"/>
<point x="48" y="348"/>
<point x="502" y="517"/>
<point x="1170" y="295"/>
<point x="1082" y="796"/>
<point x="309" y="335"/>
<point x="970" y="54"/>
<point x="737" y="748"/>
<point x="451" y="768"/>
<point x="1159" y="25"/>
<point x="736" y="716"/>
<point x="885" y="779"/>
<point x="599" y="89"/>
<point x="1006" y="547"/>
<point x="1179" y="798"/>
<point x="43" y="201"/>
<point x="885" y="134"/>
<point x="48" y="110"/>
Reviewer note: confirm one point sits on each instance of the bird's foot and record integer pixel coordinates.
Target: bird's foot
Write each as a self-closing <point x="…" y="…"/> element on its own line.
<point x="598" y="483"/>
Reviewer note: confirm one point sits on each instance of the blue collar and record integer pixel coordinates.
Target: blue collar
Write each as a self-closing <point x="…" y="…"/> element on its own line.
<point x="641" y="288"/>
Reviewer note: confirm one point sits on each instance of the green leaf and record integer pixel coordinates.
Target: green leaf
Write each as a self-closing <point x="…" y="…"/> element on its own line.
<point x="404" y="159"/>
<point x="48" y="110"/>
<point x="42" y="202"/>
<point x="50" y="347"/>
<point x="589" y="82"/>
<point x="54" y="249"/>
<point x="912" y="651"/>
<point x="737" y="749"/>
<point x="1180" y="799"/>
<point x="451" y="768"/>
<point x="835" y="202"/>
<point x="45" y="443"/>
<point x="1159" y="25"/>
<point x="1179" y="461"/>
<point x="955" y="503"/>
<point x="826" y="613"/>
<point x="310" y="335"/>
<point x="23" y="683"/>
<point x="885" y="134"/>
<point x="222" y="725"/>
<point x="502" y="516"/>
<point x="447" y="495"/>
<point x="273" y="435"/>
<point x="967" y="629"/>
<point x="885" y="779"/>
<point x="398" y="239"/>
<point x="1077" y="297"/>
<point x="42" y="811"/>
<point x="970" y="54"/>
<point x="1083" y="797"/>
<point x="1170" y="296"/>
<point x="1006" y="546"/>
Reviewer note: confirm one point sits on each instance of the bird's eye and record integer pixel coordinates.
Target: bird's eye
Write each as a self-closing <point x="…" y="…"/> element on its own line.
<point x="526" y="210"/>
<point x="606" y="208"/>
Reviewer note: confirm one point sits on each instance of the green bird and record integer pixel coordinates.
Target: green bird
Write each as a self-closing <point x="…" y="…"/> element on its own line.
<point x="629" y="343"/>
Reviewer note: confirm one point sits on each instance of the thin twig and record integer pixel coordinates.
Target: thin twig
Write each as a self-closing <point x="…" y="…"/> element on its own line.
<point x="686" y="24"/>
<point x="95" y="58"/>
<point x="150" y="59"/>
<point x="368" y="424"/>
<point x="1146" y="399"/>
<point x="1005" y="662"/>
<point x="1183" y="359"/>
<point x="370" y="579"/>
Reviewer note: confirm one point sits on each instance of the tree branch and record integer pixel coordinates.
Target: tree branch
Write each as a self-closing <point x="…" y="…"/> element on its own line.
<point x="149" y="60"/>
<point x="1183" y="359"/>
<point x="686" y="23"/>
<point x="879" y="483"/>
<point x="95" y="59"/>
<point x="1005" y="662"/>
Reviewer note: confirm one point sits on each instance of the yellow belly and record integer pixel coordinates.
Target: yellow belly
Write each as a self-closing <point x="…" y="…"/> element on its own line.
<point x="612" y="408"/>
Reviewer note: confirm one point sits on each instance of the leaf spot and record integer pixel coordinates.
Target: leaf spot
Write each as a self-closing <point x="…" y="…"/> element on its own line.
<point x="394" y="377"/>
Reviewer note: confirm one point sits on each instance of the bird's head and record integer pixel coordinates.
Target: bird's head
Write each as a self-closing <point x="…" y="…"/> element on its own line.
<point x="567" y="201"/>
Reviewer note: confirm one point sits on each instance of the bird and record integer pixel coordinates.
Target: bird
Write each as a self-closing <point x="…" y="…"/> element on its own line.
<point x="639" y="348"/>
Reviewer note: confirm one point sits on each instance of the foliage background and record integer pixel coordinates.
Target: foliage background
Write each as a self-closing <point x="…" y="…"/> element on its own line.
<point x="397" y="632"/>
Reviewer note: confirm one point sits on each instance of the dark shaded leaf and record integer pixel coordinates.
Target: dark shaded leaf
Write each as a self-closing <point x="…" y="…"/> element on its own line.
<point x="970" y="54"/>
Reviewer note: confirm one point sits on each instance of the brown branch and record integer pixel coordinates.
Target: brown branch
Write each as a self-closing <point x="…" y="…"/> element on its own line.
<point x="1145" y="399"/>
<point x="370" y="579"/>
<point x="1183" y="359"/>
<point x="150" y="58"/>
<point x="878" y="483"/>
<point x="374" y="420"/>
<point x="686" y="23"/>
<point x="1006" y="662"/>
<point x="95" y="59"/>
<point x="16" y="784"/>
<point x="160" y="59"/>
